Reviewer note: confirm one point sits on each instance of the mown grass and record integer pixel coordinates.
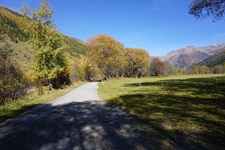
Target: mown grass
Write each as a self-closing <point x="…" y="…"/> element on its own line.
<point x="13" y="109"/>
<point x="179" y="111"/>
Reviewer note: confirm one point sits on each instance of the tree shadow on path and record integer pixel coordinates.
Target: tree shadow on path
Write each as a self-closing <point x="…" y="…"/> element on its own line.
<point x="76" y="125"/>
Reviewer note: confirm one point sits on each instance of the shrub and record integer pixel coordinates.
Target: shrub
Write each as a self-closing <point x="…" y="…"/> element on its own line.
<point x="13" y="83"/>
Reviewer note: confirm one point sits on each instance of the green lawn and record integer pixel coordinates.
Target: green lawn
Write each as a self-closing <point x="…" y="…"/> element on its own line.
<point x="175" y="111"/>
<point x="13" y="109"/>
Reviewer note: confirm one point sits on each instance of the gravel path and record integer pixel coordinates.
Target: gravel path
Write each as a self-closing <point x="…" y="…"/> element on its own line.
<point x="79" y="120"/>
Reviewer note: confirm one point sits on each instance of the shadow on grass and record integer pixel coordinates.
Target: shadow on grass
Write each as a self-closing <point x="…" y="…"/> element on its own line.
<point x="10" y="113"/>
<point x="76" y="125"/>
<point x="194" y="119"/>
<point x="197" y="86"/>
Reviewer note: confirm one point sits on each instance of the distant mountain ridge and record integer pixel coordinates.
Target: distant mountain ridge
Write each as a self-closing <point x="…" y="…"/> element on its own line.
<point x="186" y="57"/>
<point x="214" y="60"/>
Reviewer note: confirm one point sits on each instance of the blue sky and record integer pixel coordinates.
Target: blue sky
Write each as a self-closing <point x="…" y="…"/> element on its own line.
<point x="158" y="26"/>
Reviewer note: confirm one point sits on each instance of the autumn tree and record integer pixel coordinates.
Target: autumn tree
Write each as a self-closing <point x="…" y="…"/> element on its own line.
<point x="218" y="69"/>
<point x="157" y="67"/>
<point x="43" y="15"/>
<point x="49" y="63"/>
<point x="86" y="69"/>
<point x="194" y="70"/>
<point x="105" y="51"/>
<point x="204" y="70"/>
<point x="178" y="71"/>
<point x="130" y="58"/>
<point x="205" y="8"/>
<point x="168" y="69"/>
<point x="200" y="70"/>
<point x="138" y="61"/>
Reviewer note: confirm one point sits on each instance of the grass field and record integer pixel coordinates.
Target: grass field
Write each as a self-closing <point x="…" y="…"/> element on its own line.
<point x="177" y="112"/>
<point x="13" y="109"/>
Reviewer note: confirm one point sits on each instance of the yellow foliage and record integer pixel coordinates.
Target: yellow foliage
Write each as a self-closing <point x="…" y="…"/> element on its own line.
<point x="105" y="51"/>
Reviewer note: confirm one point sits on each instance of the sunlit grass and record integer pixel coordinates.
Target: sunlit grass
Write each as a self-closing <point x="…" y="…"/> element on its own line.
<point x="13" y="109"/>
<point x="177" y="108"/>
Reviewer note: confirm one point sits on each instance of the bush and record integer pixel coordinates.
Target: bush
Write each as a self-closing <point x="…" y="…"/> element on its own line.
<point x="13" y="83"/>
<point x="82" y="75"/>
<point x="61" y="80"/>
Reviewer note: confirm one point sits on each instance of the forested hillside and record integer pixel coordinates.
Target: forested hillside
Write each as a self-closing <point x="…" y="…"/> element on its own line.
<point x="76" y="45"/>
<point x="215" y="60"/>
<point x="18" y="28"/>
<point x="14" y="25"/>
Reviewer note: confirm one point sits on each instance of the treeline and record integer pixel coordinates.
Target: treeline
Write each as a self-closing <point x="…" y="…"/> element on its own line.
<point x="162" y="68"/>
<point x="108" y="58"/>
<point x="111" y="59"/>
<point x="219" y="69"/>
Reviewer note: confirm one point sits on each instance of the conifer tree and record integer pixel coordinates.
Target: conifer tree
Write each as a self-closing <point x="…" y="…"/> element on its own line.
<point x="50" y="63"/>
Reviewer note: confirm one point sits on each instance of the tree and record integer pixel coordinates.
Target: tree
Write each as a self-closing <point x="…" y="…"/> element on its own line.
<point x="130" y="58"/>
<point x="115" y="61"/>
<point x="105" y="51"/>
<point x="178" y="71"/>
<point x="87" y="71"/>
<point x="43" y="15"/>
<point x="49" y="64"/>
<point x="218" y="69"/>
<point x="157" y="67"/>
<point x="205" y="8"/>
<point x="168" y="69"/>
<point x="200" y="70"/>
<point x="194" y="70"/>
<point x="138" y="61"/>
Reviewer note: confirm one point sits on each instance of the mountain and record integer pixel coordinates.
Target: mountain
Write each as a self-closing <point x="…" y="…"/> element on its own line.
<point x="19" y="29"/>
<point x="214" y="60"/>
<point x="186" y="57"/>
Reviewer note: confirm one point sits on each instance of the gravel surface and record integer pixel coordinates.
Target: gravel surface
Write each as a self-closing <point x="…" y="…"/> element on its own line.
<point x="79" y="120"/>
